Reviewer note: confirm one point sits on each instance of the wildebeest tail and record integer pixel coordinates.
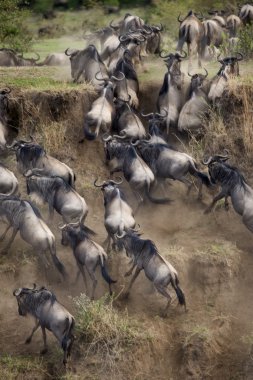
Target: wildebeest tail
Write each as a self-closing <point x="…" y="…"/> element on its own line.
<point x="105" y="274"/>
<point x="179" y="292"/>
<point x="184" y="36"/>
<point x="202" y="176"/>
<point x="68" y="337"/>
<point x="58" y="264"/>
<point x="155" y="200"/>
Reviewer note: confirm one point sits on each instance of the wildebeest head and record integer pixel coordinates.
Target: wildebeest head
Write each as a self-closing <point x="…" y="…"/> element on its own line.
<point x="128" y="239"/>
<point x="107" y="187"/>
<point x="74" y="233"/>
<point x="173" y="61"/>
<point x="113" y="147"/>
<point x="197" y="81"/>
<point x="214" y="164"/>
<point x="232" y="62"/>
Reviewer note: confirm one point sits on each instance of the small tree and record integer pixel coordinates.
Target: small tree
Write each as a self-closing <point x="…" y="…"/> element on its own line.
<point x="13" y="32"/>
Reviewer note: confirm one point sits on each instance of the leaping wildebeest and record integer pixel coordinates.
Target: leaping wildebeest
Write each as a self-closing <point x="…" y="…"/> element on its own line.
<point x="49" y="314"/>
<point x="3" y="116"/>
<point x="191" y="32"/>
<point x="145" y="256"/>
<point x="8" y="181"/>
<point x="233" y="185"/>
<point x="85" y="64"/>
<point x="23" y="216"/>
<point x="167" y="162"/>
<point x="30" y="155"/>
<point x="59" y="195"/>
<point x="88" y="254"/>
<point x="170" y="99"/>
<point x="118" y="215"/>
<point x="138" y="174"/>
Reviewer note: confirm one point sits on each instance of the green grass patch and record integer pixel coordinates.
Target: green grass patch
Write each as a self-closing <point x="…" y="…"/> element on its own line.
<point x="21" y="367"/>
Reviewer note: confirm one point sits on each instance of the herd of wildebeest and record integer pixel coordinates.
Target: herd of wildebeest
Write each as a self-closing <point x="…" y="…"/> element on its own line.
<point x="143" y="155"/>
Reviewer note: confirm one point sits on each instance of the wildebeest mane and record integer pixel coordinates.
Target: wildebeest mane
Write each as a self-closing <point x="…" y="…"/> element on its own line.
<point x="229" y="175"/>
<point x="143" y="249"/>
<point x="29" y="154"/>
<point x="35" y="209"/>
<point x="127" y="68"/>
<point x="76" y="236"/>
<point x="36" y="297"/>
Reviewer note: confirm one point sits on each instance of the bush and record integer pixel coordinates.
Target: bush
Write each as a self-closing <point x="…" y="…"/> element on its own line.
<point x="13" y="33"/>
<point x="245" y="44"/>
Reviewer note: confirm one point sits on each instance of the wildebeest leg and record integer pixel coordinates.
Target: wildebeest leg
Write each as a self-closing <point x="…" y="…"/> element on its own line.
<point x="200" y="190"/>
<point x="37" y="325"/>
<point x="136" y="274"/>
<point x="108" y="242"/>
<point x="91" y="272"/>
<point x="221" y="195"/>
<point x="6" y="248"/>
<point x="129" y="272"/>
<point x="226" y="205"/>
<point x="2" y="237"/>
<point x="166" y="294"/>
<point x="77" y="276"/>
<point x="51" y="213"/>
<point x="188" y="183"/>
<point x="44" y="350"/>
<point x="81" y="268"/>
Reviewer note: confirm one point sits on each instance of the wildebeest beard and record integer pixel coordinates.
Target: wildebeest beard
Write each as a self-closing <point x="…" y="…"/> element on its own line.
<point x="29" y="154"/>
<point x="227" y="175"/>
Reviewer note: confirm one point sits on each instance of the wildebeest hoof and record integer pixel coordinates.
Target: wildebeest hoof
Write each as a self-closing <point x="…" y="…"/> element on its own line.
<point x="28" y="340"/>
<point x="43" y="351"/>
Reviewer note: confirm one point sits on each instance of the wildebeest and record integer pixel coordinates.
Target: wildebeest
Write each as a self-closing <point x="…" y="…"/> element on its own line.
<point x="102" y="111"/>
<point x="3" y="116"/>
<point x="170" y="99"/>
<point x="118" y="215"/>
<point x="131" y="42"/>
<point x="49" y="314"/>
<point x="218" y="17"/>
<point x="145" y="256"/>
<point x="228" y="69"/>
<point x="154" y="39"/>
<point x="8" y="181"/>
<point x="130" y="22"/>
<point x="126" y="122"/>
<point x="167" y="162"/>
<point x="233" y="185"/>
<point x="23" y="216"/>
<point x="233" y="24"/>
<point x="191" y="32"/>
<point x="85" y="64"/>
<point x="88" y="254"/>
<point x="213" y="36"/>
<point x="109" y="41"/>
<point x="55" y="59"/>
<point x="194" y="110"/>
<point x="59" y="195"/>
<point x="127" y="89"/>
<point x="155" y="120"/>
<point x="30" y="155"/>
<point x="137" y="173"/>
<point x="246" y="13"/>
<point x="10" y="58"/>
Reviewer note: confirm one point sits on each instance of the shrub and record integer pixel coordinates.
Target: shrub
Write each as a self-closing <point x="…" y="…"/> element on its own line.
<point x="245" y="44"/>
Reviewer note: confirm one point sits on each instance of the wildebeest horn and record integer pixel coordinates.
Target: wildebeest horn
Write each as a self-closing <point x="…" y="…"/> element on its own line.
<point x="183" y="56"/>
<point x="160" y="115"/>
<point x="108" y="138"/>
<point x="28" y="173"/>
<point x="240" y="58"/>
<point x="122" y="235"/>
<point x="163" y="56"/>
<point x="207" y="162"/>
<point x="118" y="79"/>
<point x="206" y="72"/>
<point x="135" y="143"/>
<point x="95" y="183"/>
<point x="148" y="114"/>
<point x="102" y="79"/>
<point x="178" y="18"/>
<point x="12" y="145"/>
<point x="159" y="29"/>
<point x="189" y="74"/>
<point x="123" y="38"/>
<point x="38" y="57"/>
<point x="5" y="91"/>
<point x="66" y="52"/>
<point x="147" y="29"/>
<point x="16" y="292"/>
<point x="62" y="227"/>
<point x="136" y="230"/>
<point x="120" y="137"/>
<point x="113" y="26"/>
<point x="115" y="182"/>
<point x="34" y="286"/>
<point x="69" y="224"/>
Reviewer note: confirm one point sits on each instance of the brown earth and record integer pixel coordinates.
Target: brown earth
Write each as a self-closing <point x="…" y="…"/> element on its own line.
<point x="212" y="254"/>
